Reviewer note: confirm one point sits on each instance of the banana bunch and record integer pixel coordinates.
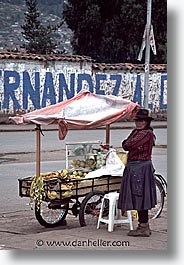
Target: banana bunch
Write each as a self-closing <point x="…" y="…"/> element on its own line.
<point x="67" y="186"/>
<point x="37" y="191"/>
<point x="52" y="195"/>
<point x="62" y="174"/>
<point x="38" y="185"/>
<point x="67" y="194"/>
<point x="66" y="190"/>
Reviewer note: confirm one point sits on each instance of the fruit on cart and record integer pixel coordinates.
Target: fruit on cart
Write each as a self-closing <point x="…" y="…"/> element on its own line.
<point x="50" y="175"/>
<point x="66" y="186"/>
<point x="70" y="174"/>
<point x="48" y="183"/>
<point x="77" y="175"/>
<point x="37" y="191"/>
<point x="65" y="191"/>
<point x="65" y="171"/>
<point x="67" y="194"/>
<point x="101" y="158"/>
<point x="89" y="164"/>
<point x="65" y="175"/>
<point x="82" y="163"/>
<point x="99" y="164"/>
<point x="52" y="195"/>
<point x="80" y="173"/>
<point x="90" y="161"/>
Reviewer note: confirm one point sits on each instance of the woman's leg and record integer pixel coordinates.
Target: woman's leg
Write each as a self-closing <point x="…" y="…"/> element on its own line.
<point x="143" y="216"/>
<point x="143" y="226"/>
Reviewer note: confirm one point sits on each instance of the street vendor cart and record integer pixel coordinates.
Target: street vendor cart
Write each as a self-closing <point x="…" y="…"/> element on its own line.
<point x="53" y="194"/>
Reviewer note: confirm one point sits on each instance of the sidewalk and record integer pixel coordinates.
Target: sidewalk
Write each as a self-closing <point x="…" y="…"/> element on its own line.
<point x="52" y="127"/>
<point x="32" y="236"/>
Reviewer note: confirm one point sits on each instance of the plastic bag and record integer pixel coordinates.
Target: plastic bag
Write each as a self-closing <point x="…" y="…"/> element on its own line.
<point x="113" y="166"/>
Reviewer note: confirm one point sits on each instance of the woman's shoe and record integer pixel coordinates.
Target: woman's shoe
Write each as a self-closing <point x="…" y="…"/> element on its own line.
<point x="142" y="230"/>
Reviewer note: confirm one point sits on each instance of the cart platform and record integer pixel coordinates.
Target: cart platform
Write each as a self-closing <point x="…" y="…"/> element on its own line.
<point x="72" y="188"/>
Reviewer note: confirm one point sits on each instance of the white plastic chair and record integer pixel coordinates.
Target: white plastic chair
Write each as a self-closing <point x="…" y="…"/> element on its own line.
<point x="115" y="216"/>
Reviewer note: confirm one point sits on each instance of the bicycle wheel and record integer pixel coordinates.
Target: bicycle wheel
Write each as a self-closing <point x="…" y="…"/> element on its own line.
<point x="90" y="208"/>
<point x="156" y="212"/>
<point x="51" y="214"/>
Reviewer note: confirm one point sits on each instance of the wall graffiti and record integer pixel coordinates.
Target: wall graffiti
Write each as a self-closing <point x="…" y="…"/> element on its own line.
<point x="29" y="90"/>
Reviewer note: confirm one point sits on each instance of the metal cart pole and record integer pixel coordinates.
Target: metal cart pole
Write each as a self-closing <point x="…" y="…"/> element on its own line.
<point x="37" y="150"/>
<point x="108" y="134"/>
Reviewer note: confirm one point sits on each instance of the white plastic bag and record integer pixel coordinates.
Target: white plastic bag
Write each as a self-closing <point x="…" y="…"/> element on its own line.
<point x="114" y="166"/>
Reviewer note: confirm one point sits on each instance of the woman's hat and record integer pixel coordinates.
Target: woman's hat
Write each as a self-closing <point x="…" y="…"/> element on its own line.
<point x="143" y="114"/>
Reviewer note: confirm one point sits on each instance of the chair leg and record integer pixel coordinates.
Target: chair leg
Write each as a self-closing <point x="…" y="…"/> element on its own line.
<point x="101" y="213"/>
<point x="111" y="216"/>
<point x="129" y="215"/>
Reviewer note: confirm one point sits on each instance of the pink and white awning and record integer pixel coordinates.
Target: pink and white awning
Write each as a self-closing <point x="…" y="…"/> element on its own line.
<point x="84" y="111"/>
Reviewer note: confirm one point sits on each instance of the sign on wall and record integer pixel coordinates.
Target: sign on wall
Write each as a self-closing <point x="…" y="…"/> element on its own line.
<point x="29" y="90"/>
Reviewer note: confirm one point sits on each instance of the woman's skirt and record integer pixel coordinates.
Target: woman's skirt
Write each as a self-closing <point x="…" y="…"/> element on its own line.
<point x="138" y="189"/>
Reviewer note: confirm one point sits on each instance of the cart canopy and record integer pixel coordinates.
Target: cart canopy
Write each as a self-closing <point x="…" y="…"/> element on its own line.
<point x="84" y="111"/>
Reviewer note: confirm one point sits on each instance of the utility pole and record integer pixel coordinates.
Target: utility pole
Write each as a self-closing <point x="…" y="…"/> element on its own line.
<point x="147" y="54"/>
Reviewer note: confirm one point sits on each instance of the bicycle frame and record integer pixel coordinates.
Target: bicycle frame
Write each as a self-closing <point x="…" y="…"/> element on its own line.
<point x="163" y="182"/>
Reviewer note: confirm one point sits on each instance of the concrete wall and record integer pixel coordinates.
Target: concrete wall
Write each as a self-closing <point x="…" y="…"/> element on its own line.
<point x="30" y="84"/>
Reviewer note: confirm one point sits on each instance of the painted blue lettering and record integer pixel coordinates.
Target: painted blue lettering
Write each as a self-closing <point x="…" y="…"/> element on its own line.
<point x="64" y="87"/>
<point x="28" y="90"/>
<point x="163" y="80"/>
<point x="48" y="92"/>
<point x="88" y="79"/>
<point x="118" y="79"/>
<point x="137" y="93"/>
<point x="100" y="77"/>
<point x="10" y="87"/>
<point x="0" y="101"/>
<point x="150" y="105"/>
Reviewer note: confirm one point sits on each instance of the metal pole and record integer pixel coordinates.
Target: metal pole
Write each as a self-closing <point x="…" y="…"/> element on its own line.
<point x="108" y="134"/>
<point x="147" y="55"/>
<point x="37" y="150"/>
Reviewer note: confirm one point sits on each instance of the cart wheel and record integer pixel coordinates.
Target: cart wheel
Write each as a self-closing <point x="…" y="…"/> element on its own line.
<point x="51" y="214"/>
<point x="90" y="208"/>
<point x="156" y="212"/>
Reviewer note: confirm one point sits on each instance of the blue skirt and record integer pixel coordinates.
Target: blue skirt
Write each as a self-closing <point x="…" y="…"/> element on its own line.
<point x="138" y="189"/>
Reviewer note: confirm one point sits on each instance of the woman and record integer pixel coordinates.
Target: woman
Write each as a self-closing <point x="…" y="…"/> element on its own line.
<point x="138" y="190"/>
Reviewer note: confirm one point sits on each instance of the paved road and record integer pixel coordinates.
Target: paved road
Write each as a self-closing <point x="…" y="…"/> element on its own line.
<point x="12" y="142"/>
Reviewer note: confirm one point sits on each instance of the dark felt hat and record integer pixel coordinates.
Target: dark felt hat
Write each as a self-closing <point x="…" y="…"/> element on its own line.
<point x="143" y="114"/>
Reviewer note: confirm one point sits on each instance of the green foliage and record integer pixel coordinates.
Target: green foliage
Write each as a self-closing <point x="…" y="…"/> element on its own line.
<point x="38" y="38"/>
<point x="111" y="30"/>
